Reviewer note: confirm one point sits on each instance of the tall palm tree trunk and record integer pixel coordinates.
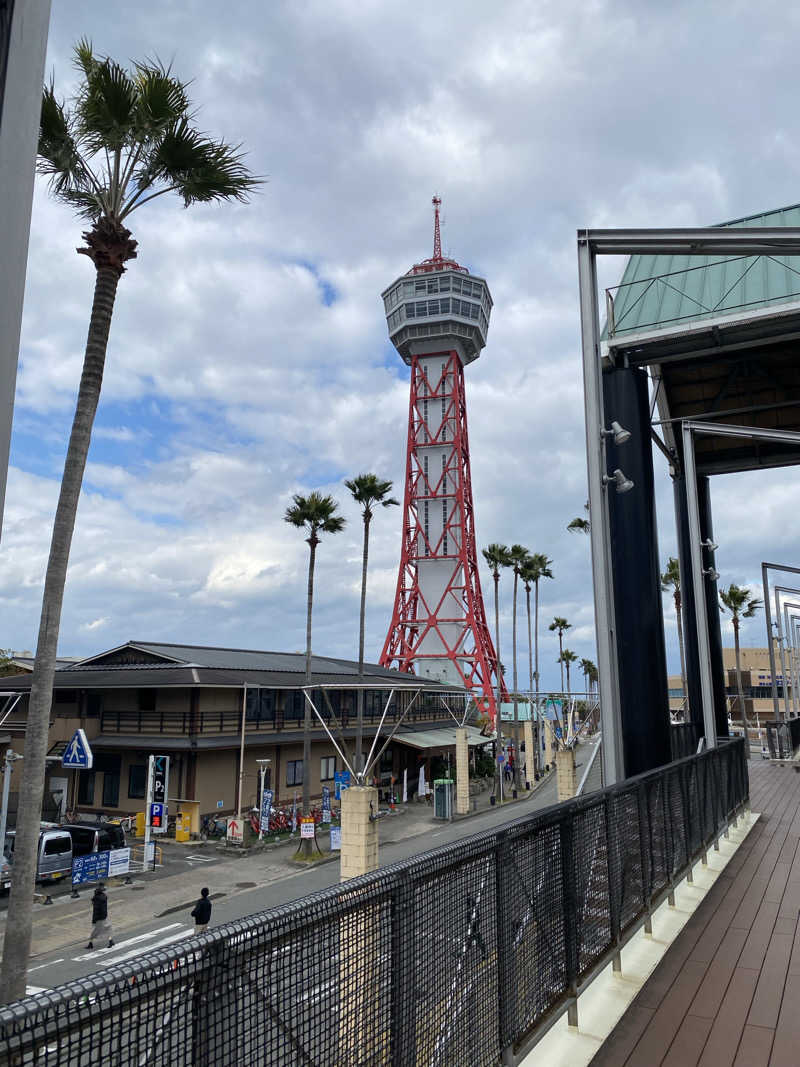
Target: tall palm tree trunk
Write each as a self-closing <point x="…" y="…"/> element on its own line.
<point x="681" y="649"/>
<point x="739" y="689"/>
<point x="306" y="847"/>
<point x="516" y="691"/>
<point x="498" y="774"/>
<point x="560" y="654"/>
<point x="16" y="947"/>
<point x="540" y="725"/>
<point x="530" y="757"/>
<point x="360" y="715"/>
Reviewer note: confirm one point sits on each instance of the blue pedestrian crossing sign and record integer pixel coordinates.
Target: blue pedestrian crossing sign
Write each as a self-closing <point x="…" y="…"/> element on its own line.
<point x="78" y="753"/>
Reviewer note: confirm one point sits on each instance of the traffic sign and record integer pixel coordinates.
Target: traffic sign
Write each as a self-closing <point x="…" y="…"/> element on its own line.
<point x="158" y="818"/>
<point x="307" y="826"/>
<point x="78" y="753"/>
<point x="235" y="829"/>
<point x="341" y="781"/>
<point x="160" y="779"/>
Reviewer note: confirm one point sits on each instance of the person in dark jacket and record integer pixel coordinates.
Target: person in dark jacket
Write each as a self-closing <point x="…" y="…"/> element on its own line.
<point x="201" y="912"/>
<point x="101" y="926"/>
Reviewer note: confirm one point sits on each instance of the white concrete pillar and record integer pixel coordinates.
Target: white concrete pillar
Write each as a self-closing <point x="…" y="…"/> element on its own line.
<point x="462" y="771"/>
<point x="566" y="776"/>
<point x="359" y="854"/>
<point x="530" y="752"/>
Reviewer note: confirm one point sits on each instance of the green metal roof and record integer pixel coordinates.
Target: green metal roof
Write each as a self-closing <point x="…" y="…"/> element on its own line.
<point x="660" y="291"/>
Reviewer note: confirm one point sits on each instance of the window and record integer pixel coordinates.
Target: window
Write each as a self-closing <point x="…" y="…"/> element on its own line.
<point x="295" y="705"/>
<point x="64" y="696"/>
<point x="110" y="789"/>
<point x="327" y="768"/>
<point x="425" y="527"/>
<point x="444" y="527"/>
<point x="94" y="704"/>
<point x="137" y="781"/>
<point x="294" y="772"/>
<point x="86" y="787"/>
<point x="57" y="846"/>
<point x="147" y="699"/>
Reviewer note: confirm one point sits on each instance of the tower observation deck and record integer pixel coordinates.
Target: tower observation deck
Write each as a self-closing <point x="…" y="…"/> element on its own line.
<point x="438" y="318"/>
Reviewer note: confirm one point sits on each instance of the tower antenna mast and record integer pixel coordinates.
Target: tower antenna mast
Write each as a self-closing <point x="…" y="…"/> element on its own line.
<point x="437" y="237"/>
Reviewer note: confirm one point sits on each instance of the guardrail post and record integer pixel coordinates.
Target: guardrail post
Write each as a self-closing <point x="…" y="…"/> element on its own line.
<point x="404" y="997"/>
<point x="215" y="1010"/>
<point x="506" y="988"/>
<point x="687" y="826"/>
<point x="613" y="882"/>
<point x="570" y="898"/>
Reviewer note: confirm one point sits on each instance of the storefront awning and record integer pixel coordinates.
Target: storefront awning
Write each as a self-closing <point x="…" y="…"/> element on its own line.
<point x="439" y="738"/>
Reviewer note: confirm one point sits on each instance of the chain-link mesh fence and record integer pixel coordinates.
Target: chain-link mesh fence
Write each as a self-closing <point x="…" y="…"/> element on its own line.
<point x="448" y="958"/>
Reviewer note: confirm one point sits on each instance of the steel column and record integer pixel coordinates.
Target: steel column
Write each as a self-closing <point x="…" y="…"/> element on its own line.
<point x="712" y="600"/>
<point x="701" y="612"/>
<point x="694" y="693"/>
<point x="602" y="578"/>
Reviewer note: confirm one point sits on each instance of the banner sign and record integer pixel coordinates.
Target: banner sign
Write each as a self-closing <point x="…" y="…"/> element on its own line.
<point x="336" y="838"/>
<point x="119" y="861"/>
<point x="90" y="868"/>
<point x="326" y="803"/>
<point x="294" y="814"/>
<point x="266" y="807"/>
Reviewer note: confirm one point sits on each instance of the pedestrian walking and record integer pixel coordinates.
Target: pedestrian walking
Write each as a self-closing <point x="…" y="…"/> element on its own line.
<point x="201" y="912"/>
<point x="101" y="926"/>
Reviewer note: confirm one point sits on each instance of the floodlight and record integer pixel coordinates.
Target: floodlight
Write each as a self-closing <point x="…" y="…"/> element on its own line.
<point x="621" y="483"/>
<point x="709" y="544"/>
<point x="619" y="433"/>
<point x="712" y="574"/>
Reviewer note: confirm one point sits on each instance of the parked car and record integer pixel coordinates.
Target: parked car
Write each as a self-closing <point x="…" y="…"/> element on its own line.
<point x="54" y="855"/>
<point x="94" y="837"/>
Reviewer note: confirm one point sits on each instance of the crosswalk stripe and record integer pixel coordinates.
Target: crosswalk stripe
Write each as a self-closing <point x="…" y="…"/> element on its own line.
<point x="101" y="953"/>
<point x="186" y="932"/>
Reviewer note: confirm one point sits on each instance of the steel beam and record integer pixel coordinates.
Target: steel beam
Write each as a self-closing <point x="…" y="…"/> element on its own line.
<point x="699" y="241"/>
<point x="765" y="567"/>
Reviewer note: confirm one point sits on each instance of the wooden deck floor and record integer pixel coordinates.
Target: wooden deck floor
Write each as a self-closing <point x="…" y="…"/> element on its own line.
<point x="728" y="990"/>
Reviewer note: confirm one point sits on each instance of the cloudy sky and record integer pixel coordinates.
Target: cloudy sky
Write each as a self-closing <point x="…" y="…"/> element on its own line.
<point x="249" y="359"/>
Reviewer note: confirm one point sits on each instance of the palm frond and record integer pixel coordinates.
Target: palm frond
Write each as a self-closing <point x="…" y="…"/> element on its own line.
<point x="84" y="57"/>
<point x="200" y="169"/>
<point x="161" y="101"/>
<point x="106" y="107"/>
<point x="86" y="204"/>
<point x="58" y="155"/>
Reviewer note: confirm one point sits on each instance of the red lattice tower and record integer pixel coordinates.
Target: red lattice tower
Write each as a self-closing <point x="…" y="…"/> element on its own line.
<point x="438" y="317"/>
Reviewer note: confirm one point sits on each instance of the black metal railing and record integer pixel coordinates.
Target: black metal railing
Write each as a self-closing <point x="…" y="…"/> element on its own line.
<point x="683" y="739"/>
<point x="783" y="738"/>
<point x="462" y="955"/>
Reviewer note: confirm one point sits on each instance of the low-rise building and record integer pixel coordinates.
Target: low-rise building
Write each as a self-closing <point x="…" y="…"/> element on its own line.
<point x="199" y="704"/>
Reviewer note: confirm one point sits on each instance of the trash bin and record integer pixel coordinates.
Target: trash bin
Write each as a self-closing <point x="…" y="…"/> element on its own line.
<point x="443" y="798"/>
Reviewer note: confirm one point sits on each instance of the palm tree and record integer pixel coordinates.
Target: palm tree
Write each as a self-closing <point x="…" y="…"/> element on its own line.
<point x="672" y="578"/>
<point x="518" y="555"/>
<point x="579" y="526"/>
<point x="537" y="568"/>
<point x="127" y="139"/>
<point x="742" y="605"/>
<point x="586" y="670"/>
<point x="367" y="490"/>
<point x="316" y="514"/>
<point x="497" y="556"/>
<point x="565" y="659"/>
<point x="560" y="626"/>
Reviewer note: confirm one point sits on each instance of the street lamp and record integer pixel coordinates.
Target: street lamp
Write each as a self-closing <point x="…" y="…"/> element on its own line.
<point x="10" y="758"/>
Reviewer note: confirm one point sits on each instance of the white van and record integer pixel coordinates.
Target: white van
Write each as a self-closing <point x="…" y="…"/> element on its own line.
<point x="54" y="857"/>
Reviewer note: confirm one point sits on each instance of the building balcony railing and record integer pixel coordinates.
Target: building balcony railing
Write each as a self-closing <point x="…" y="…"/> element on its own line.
<point x="229" y="721"/>
<point x="463" y="955"/>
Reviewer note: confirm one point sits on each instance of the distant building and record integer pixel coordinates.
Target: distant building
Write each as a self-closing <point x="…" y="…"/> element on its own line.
<point x="756" y="686"/>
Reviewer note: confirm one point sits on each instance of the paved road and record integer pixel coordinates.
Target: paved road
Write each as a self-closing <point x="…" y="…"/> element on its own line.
<point x="54" y="968"/>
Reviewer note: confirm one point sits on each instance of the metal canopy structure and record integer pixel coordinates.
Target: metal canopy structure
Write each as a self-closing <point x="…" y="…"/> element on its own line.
<point x="711" y="316"/>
